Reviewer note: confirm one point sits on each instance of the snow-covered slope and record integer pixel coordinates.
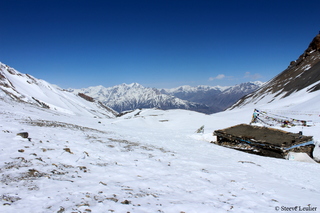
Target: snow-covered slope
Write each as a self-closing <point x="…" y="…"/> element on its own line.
<point x="24" y="87"/>
<point x="302" y="100"/>
<point x="133" y="96"/>
<point x="301" y="75"/>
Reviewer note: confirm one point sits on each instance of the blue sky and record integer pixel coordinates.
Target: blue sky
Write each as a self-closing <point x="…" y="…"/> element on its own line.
<point x="157" y="43"/>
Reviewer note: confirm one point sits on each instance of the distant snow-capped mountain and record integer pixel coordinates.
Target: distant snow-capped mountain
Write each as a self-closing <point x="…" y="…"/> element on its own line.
<point x="206" y="99"/>
<point x="217" y="98"/>
<point x="125" y="97"/>
<point x="190" y="89"/>
<point x="15" y="86"/>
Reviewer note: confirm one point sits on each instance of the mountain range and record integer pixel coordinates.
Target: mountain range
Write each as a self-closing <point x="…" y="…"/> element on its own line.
<point x="217" y="98"/>
<point x="205" y="99"/>
<point x="126" y="97"/>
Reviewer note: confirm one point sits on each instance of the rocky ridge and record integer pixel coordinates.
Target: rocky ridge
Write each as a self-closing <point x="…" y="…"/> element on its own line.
<point x="301" y="73"/>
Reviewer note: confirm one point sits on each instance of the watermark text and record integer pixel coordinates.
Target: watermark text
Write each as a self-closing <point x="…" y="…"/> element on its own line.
<point x="308" y="208"/>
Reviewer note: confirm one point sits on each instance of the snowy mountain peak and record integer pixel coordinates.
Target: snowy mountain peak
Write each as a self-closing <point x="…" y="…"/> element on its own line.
<point x="258" y="83"/>
<point x="126" y="86"/>
<point x="136" y="85"/>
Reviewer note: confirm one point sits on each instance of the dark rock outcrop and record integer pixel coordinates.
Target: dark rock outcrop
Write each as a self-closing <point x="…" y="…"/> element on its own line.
<point x="23" y="134"/>
<point x="86" y="97"/>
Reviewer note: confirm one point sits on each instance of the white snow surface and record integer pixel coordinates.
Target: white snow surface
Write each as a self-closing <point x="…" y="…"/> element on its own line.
<point x="146" y="161"/>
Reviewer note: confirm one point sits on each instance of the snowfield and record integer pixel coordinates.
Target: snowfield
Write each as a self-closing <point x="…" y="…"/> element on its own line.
<point x="145" y="161"/>
<point x="79" y="157"/>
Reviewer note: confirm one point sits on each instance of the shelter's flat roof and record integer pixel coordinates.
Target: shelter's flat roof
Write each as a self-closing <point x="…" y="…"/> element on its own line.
<point x="266" y="135"/>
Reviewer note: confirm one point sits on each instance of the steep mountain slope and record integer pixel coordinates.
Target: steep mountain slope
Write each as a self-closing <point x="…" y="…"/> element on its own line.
<point x="133" y="96"/>
<point x="304" y="73"/>
<point x="216" y="98"/>
<point x="25" y="88"/>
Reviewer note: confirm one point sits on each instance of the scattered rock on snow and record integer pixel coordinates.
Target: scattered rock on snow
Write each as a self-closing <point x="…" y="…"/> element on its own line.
<point x="126" y="202"/>
<point x="23" y="134"/>
<point x="68" y="150"/>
